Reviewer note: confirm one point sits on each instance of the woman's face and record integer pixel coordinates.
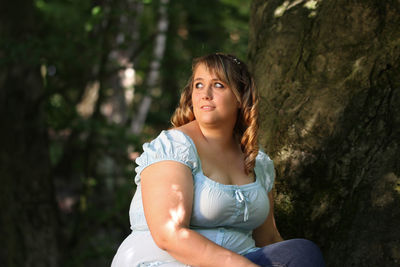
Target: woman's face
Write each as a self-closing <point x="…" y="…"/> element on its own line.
<point x="213" y="100"/>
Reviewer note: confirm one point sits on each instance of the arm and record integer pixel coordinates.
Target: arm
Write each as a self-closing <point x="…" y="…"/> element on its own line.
<point x="167" y="193"/>
<point x="267" y="233"/>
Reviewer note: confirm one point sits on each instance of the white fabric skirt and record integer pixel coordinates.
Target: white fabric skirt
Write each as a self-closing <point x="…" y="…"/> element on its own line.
<point x="139" y="250"/>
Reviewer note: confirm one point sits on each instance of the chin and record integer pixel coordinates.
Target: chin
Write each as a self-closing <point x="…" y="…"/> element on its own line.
<point x="206" y="120"/>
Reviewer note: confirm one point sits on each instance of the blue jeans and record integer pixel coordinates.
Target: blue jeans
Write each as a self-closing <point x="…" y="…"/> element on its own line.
<point x="288" y="253"/>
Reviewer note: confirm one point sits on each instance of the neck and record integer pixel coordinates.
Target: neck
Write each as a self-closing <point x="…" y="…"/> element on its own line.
<point x="222" y="137"/>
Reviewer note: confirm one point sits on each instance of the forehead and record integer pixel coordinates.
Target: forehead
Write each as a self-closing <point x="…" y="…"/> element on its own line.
<point x="204" y="71"/>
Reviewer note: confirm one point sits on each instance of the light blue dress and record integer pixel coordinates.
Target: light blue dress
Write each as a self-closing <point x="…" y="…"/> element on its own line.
<point x="225" y="214"/>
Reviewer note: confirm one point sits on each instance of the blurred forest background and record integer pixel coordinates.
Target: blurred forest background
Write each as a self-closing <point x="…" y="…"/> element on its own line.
<point x="83" y="83"/>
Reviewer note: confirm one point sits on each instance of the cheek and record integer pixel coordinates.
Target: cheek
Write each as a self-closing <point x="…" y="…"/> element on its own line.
<point x="194" y="98"/>
<point x="230" y="101"/>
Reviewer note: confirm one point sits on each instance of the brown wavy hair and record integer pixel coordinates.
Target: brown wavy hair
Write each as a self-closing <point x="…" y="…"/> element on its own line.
<point x="233" y="72"/>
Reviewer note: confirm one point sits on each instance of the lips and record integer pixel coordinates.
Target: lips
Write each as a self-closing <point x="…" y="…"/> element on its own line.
<point x="207" y="107"/>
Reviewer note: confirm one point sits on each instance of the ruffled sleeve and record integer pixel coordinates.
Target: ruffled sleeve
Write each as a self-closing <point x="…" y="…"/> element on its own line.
<point x="169" y="145"/>
<point x="265" y="170"/>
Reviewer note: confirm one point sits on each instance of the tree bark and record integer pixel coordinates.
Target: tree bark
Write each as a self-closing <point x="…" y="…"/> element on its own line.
<point x="328" y="73"/>
<point x="154" y="73"/>
<point x="123" y="55"/>
<point x="28" y="218"/>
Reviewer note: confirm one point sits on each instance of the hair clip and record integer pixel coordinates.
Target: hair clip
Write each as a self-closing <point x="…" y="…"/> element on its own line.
<point x="236" y="61"/>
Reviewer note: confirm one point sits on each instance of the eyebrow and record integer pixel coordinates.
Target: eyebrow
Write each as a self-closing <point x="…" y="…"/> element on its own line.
<point x="214" y="79"/>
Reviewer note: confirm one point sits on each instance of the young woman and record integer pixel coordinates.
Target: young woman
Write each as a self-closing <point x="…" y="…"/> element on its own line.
<point x="203" y="193"/>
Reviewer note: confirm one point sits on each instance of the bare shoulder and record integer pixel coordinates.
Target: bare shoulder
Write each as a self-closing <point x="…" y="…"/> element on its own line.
<point x="191" y="129"/>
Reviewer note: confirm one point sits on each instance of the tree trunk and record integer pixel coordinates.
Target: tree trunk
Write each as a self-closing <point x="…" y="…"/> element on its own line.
<point x="28" y="218"/>
<point x="119" y="81"/>
<point x="154" y="73"/>
<point x="329" y="78"/>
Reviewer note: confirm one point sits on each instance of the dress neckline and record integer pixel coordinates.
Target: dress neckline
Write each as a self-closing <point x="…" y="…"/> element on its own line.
<point x="208" y="179"/>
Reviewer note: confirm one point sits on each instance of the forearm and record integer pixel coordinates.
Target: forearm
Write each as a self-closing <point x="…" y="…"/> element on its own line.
<point x="194" y="249"/>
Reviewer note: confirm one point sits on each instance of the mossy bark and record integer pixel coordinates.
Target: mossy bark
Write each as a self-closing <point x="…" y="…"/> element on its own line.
<point x="328" y="73"/>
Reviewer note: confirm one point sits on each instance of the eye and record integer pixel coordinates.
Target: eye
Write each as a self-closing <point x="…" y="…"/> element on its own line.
<point x="218" y="85"/>
<point x="198" y="85"/>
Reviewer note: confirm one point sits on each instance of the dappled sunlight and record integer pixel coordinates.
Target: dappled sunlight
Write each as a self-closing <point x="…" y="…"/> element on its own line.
<point x="311" y="5"/>
<point x="86" y="107"/>
<point x="285" y="153"/>
<point x="357" y="63"/>
<point x="284" y="203"/>
<point x="119" y="96"/>
<point x="107" y="109"/>
<point x="121" y="91"/>
<point x="286" y="6"/>
<point x="67" y="203"/>
<point x="309" y="125"/>
<point x="234" y="36"/>
<point x="294" y="157"/>
<point x="358" y="67"/>
<point x="183" y="32"/>
<point x="177" y="214"/>
<point x="386" y="190"/>
<point x="128" y="80"/>
<point x="319" y="210"/>
<point x="281" y="9"/>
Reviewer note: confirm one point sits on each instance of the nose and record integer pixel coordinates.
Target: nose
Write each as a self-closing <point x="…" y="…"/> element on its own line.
<point x="207" y="93"/>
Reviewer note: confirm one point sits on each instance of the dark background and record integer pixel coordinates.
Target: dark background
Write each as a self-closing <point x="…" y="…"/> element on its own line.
<point x="84" y="83"/>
